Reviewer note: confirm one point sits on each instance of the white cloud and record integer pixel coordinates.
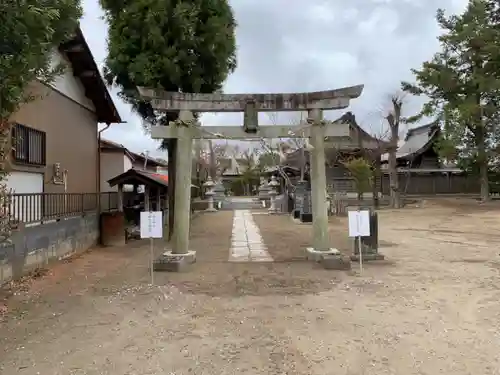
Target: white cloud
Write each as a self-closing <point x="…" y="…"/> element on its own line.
<point x="381" y="21"/>
<point x="313" y="45"/>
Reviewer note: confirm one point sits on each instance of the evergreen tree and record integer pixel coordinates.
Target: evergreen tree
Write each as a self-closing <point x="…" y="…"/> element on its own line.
<point x="175" y="45"/>
<point x="462" y="82"/>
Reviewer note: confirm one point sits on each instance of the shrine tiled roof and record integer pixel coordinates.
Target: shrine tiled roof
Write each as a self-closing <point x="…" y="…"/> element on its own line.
<point x="140" y="177"/>
<point x="418" y="140"/>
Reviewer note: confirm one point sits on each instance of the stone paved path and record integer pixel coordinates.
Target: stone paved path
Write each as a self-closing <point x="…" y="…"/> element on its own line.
<point x="247" y="244"/>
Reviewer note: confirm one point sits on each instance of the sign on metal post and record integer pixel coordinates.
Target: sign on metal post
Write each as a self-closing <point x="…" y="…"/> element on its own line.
<point x="151" y="224"/>
<point x="359" y="226"/>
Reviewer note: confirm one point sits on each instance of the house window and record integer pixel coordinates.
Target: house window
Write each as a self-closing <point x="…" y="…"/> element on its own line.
<point x="29" y="145"/>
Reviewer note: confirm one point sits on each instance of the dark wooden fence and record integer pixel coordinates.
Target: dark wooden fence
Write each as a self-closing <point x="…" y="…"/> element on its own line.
<point x="415" y="184"/>
<point x="433" y="184"/>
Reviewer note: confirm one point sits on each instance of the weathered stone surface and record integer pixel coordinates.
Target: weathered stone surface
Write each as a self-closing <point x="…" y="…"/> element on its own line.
<point x="329" y="99"/>
<point x="336" y="130"/>
<point x="174" y="262"/>
<point x="317" y="255"/>
<point x="335" y="262"/>
<point x="368" y="257"/>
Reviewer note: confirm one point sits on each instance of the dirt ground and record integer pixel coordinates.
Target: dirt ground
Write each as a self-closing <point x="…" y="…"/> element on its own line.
<point x="430" y="308"/>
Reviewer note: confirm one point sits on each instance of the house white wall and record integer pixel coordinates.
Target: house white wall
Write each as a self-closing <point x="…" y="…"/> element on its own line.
<point x="127" y="163"/>
<point x="24" y="208"/>
<point x="112" y="165"/>
<point x="68" y="84"/>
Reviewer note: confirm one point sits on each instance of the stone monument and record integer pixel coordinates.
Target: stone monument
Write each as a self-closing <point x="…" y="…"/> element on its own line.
<point x="306" y="213"/>
<point x="369" y="244"/>
<point x="273" y="192"/>
<point x="300" y="190"/>
<point x="264" y="189"/>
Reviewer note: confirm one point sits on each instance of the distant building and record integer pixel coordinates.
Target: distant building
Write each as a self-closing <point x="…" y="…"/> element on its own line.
<point x="117" y="159"/>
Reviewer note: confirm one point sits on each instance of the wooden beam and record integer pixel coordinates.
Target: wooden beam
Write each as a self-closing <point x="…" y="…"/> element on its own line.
<point x="329" y="99"/>
<point x="237" y="132"/>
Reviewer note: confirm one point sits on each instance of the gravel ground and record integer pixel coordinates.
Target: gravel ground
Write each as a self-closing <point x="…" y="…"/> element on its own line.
<point x="431" y="308"/>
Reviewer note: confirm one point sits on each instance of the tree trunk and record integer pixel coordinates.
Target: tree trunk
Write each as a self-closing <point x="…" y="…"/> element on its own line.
<point x="376" y="184"/>
<point x="197" y="165"/>
<point x="212" y="161"/>
<point x="482" y="161"/>
<point x="302" y="162"/>
<point x="485" y="188"/>
<point x="172" y="152"/>
<point x="395" y="198"/>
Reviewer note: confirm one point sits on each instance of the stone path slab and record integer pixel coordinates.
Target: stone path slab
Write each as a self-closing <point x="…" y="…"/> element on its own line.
<point x="246" y="242"/>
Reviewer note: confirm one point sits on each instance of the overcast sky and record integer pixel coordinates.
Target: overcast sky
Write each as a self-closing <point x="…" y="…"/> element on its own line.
<point x="291" y="45"/>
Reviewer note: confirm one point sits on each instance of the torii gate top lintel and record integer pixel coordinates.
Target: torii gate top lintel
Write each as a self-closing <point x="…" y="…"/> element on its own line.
<point x="264" y="102"/>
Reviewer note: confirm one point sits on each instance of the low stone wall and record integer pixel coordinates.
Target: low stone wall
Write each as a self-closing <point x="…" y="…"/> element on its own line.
<point x="37" y="245"/>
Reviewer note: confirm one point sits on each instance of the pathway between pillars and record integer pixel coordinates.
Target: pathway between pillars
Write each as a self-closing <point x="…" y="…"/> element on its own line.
<point x="246" y="242"/>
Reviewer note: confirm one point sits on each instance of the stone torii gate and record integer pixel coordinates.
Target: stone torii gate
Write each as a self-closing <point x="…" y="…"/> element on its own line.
<point x="185" y="129"/>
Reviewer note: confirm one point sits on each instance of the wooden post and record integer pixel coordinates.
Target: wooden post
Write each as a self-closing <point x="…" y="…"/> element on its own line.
<point x="182" y="208"/>
<point x="318" y="183"/>
<point x="158" y="199"/>
<point x="120" y="198"/>
<point x="147" y="204"/>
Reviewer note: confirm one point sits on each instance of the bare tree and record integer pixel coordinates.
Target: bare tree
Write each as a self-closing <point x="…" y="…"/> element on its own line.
<point x="211" y="158"/>
<point x="394" y="120"/>
<point x="250" y="171"/>
<point x="279" y="148"/>
<point x="371" y="144"/>
<point x="373" y="155"/>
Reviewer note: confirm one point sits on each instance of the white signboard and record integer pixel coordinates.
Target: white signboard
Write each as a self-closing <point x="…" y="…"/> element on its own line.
<point x="359" y="223"/>
<point x="151" y="224"/>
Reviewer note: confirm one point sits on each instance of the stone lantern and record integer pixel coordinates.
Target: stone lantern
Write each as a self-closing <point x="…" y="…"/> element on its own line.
<point x="273" y="192"/>
<point x="219" y="193"/>
<point x="209" y="185"/>
<point x="264" y="188"/>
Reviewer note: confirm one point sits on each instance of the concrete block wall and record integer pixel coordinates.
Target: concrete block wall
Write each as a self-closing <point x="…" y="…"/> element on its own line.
<point x="37" y="245"/>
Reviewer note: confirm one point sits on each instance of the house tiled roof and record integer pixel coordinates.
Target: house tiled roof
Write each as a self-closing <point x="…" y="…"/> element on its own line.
<point x="150" y="160"/>
<point x="139" y="176"/>
<point x="107" y="144"/>
<point x="85" y="68"/>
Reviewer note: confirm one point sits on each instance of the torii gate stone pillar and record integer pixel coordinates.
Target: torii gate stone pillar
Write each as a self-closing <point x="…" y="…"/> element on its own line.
<point x="186" y="129"/>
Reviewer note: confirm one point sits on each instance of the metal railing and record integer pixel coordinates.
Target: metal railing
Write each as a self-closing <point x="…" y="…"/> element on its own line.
<point x="36" y="207"/>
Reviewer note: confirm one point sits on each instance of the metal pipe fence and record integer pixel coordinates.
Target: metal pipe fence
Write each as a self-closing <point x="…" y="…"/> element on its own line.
<point x="36" y="207"/>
